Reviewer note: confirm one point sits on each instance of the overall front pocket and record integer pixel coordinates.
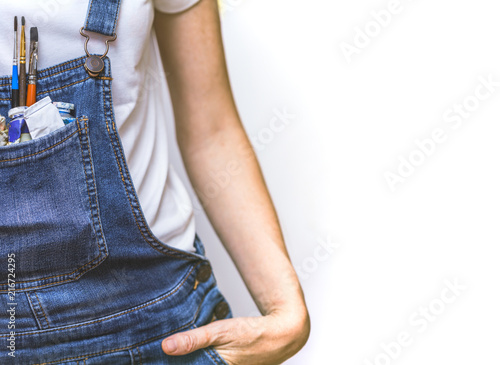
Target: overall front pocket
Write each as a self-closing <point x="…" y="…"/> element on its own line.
<point x="49" y="216"/>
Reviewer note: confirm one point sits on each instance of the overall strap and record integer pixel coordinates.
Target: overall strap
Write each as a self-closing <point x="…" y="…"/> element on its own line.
<point x="102" y="16"/>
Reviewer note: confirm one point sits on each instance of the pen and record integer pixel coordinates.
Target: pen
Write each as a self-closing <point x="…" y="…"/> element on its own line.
<point x="15" y="77"/>
<point x="31" y="97"/>
<point x="22" y="67"/>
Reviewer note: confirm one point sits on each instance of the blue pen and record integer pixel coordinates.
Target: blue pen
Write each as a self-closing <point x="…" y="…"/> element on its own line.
<point x="15" y="77"/>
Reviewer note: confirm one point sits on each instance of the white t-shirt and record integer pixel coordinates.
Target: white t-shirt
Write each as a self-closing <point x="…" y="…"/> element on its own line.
<point x="139" y="94"/>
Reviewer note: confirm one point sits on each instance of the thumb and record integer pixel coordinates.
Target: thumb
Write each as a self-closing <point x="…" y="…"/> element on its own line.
<point x="186" y="342"/>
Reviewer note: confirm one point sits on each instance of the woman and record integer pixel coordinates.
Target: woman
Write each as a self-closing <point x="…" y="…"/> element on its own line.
<point x="131" y="283"/>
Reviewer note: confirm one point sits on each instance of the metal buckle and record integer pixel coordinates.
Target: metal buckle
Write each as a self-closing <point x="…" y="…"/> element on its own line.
<point x="94" y="64"/>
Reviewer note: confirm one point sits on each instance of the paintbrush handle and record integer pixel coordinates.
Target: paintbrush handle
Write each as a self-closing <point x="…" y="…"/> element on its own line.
<point x="22" y="84"/>
<point x="31" y="98"/>
<point x="15" y="87"/>
<point x="15" y="98"/>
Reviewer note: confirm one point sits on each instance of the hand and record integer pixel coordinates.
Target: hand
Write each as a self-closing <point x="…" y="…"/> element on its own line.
<point x="266" y="340"/>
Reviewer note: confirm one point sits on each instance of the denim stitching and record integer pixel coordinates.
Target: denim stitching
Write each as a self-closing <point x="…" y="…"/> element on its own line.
<point x="36" y="153"/>
<point x="93" y="217"/>
<point x="33" y="309"/>
<point x="116" y="148"/>
<point x="116" y="18"/>
<point x="181" y="284"/>
<point x="140" y="357"/>
<point x="216" y="359"/>
<point x="88" y="14"/>
<point x="97" y="213"/>
<point x="190" y="323"/>
<point x="118" y="349"/>
<point x="43" y="312"/>
<point x="60" y="72"/>
<point x="61" y="65"/>
<point x="71" y="273"/>
<point x="127" y="182"/>
<point x="140" y="343"/>
<point x="63" y="87"/>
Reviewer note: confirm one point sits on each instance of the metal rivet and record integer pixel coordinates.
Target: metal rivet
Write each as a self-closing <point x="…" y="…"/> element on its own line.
<point x="204" y="273"/>
<point x="94" y="65"/>
<point x="221" y="310"/>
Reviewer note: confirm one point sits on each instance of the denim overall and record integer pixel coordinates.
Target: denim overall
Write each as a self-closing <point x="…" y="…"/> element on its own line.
<point x="93" y="285"/>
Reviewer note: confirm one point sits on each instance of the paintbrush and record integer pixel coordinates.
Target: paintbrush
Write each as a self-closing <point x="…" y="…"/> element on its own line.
<point x="15" y="77"/>
<point x="22" y="67"/>
<point x="31" y="97"/>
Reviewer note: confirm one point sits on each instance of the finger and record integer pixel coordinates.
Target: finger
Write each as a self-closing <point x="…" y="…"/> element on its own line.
<point x="186" y="342"/>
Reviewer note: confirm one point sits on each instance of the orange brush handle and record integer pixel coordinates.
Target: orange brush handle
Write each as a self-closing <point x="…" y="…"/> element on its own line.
<point x="31" y="99"/>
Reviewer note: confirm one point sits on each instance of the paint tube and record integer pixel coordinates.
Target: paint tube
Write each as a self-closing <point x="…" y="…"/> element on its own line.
<point x="18" y="129"/>
<point x="66" y="110"/>
<point x="42" y="118"/>
<point x="4" y="132"/>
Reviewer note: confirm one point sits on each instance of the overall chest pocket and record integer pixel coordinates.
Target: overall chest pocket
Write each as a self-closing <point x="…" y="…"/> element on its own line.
<point x="49" y="220"/>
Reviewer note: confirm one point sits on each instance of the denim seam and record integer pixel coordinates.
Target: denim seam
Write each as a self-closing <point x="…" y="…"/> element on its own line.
<point x="119" y="314"/>
<point x="5" y="81"/>
<point x="101" y="245"/>
<point x="63" y="87"/>
<point x="41" y="307"/>
<point x="60" y="66"/>
<point x="37" y="153"/>
<point x="72" y="84"/>
<point x="117" y="349"/>
<point x="88" y="14"/>
<point x="215" y="357"/>
<point x="116" y="18"/>
<point x="189" y="324"/>
<point x="33" y="309"/>
<point x="143" y="227"/>
<point x="126" y="182"/>
<point x="60" y="72"/>
<point x="94" y="205"/>
<point x="140" y="356"/>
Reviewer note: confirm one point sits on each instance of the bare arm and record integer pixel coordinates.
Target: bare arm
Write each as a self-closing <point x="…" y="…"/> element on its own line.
<point x="212" y="141"/>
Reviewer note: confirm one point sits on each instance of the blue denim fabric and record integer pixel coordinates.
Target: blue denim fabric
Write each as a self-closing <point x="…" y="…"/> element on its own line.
<point x="93" y="283"/>
<point x="102" y="16"/>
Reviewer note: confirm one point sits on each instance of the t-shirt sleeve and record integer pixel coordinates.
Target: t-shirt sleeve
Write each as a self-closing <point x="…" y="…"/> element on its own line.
<point x="173" y="6"/>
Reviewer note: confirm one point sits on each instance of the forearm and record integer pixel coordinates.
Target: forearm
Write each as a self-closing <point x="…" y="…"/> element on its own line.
<point x="240" y="209"/>
<point x="226" y="176"/>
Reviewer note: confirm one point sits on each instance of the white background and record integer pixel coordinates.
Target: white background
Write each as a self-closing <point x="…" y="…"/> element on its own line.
<point x="325" y="171"/>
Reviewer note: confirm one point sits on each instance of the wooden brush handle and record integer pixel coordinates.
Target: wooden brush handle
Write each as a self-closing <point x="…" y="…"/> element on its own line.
<point x="22" y="84"/>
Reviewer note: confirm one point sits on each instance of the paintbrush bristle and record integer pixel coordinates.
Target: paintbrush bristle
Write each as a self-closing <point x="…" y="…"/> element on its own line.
<point x="15" y="24"/>
<point x="22" y="21"/>
<point x="34" y="34"/>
